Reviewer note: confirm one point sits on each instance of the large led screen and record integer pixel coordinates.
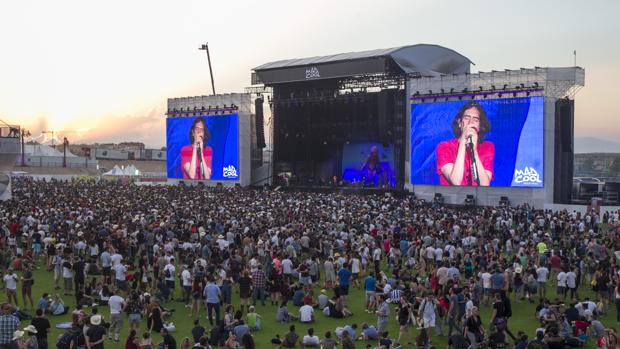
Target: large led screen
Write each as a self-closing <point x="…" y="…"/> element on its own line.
<point x="203" y="147"/>
<point x="370" y="163"/>
<point x="490" y="142"/>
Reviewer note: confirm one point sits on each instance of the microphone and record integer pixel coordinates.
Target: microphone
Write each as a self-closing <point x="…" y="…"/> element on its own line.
<point x="201" y="169"/>
<point x="472" y="158"/>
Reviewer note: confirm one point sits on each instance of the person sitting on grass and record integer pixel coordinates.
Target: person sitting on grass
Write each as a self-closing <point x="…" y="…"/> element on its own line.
<point x="291" y="338"/>
<point x="310" y="340"/>
<point x="369" y="332"/>
<point x="298" y="296"/>
<point x="283" y="315"/>
<point x="57" y="307"/>
<point x="253" y="319"/>
<point x="328" y="342"/>
<point x="351" y="329"/>
<point x="306" y="313"/>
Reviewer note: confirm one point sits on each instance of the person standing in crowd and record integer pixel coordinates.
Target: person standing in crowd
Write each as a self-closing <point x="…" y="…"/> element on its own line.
<point x="9" y="323"/>
<point x="95" y="335"/>
<point x="43" y="327"/>
<point x="10" y="284"/>
<point x="116" y="304"/>
<point x="212" y="295"/>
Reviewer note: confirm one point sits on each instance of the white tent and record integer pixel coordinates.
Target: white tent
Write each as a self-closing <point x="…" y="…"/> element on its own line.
<point x="131" y="170"/>
<point x="44" y="150"/>
<point x="115" y="171"/>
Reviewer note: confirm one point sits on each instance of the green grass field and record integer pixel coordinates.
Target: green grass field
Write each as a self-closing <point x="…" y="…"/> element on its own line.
<point x="523" y="317"/>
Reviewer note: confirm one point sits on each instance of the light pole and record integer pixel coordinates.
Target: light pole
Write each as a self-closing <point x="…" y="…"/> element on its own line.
<point x="205" y="47"/>
<point x="65" y="143"/>
<point x="25" y="133"/>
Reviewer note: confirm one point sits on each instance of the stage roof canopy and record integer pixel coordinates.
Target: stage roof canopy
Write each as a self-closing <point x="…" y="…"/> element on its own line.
<point x="417" y="60"/>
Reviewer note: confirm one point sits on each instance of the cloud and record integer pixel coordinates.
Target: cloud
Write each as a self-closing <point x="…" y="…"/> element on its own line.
<point x="149" y="128"/>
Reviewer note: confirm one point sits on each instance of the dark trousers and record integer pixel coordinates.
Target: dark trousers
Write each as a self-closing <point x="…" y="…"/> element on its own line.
<point x="213" y="307"/>
<point x="258" y="293"/>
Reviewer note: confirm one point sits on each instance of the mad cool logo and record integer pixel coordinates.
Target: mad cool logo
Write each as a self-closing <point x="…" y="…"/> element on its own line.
<point x="527" y="176"/>
<point x="230" y="172"/>
<point x="312" y="73"/>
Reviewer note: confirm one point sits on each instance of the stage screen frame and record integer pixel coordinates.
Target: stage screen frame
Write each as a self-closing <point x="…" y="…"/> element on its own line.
<point x="224" y="142"/>
<point x="518" y="136"/>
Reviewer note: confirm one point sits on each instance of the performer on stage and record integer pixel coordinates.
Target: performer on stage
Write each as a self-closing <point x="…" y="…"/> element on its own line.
<point x="468" y="158"/>
<point x="196" y="158"/>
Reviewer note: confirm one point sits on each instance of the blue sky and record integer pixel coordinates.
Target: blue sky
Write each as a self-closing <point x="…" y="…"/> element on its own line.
<point x="102" y="71"/>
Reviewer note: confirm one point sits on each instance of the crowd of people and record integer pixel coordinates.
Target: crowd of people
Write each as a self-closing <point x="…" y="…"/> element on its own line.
<point x="121" y="251"/>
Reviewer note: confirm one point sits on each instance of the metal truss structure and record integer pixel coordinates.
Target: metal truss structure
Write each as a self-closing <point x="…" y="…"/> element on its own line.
<point x="553" y="82"/>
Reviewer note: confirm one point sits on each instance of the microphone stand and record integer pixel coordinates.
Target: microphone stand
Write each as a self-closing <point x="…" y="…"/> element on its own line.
<point x="472" y="157"/>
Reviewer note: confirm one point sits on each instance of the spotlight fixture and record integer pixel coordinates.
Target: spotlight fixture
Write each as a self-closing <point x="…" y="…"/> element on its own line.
<point x="505" y="87"/>
<point x="493" y="87"/>
<point x="465" y="90"/>
<point x="480" y="87"/>
<point x="452" y="90"/>
<point x="535" y="84"/>
<point x="442" y="91"/>
<point x="430" y="92"/>
<point x="417" y="93"/>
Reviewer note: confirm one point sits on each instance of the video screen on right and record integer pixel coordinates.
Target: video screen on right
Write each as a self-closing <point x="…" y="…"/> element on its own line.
<point x="489" y="142"/>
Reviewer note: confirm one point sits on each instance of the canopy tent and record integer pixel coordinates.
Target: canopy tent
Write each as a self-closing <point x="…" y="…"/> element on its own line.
<point x="130" y="170"/>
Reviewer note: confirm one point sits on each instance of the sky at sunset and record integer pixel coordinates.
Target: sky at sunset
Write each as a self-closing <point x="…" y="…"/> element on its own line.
<point x="99" y="71"/>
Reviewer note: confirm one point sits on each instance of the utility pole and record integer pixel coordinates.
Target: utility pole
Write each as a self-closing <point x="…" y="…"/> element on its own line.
<point x="205" y="47"/>
<point x="65" y="143"/>
<point x="25" y="133"/>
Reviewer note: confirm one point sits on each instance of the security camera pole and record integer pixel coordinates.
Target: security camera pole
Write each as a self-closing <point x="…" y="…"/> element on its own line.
<point x="206" y="48"/>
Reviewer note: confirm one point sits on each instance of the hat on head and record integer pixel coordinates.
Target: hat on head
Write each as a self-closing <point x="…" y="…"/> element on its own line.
<point x="323" y="291"/>
<point x="518" y="270"/>
<point x="80" y="233"/>
<point x="30" y="329"/>
<point x="95" y="320"/>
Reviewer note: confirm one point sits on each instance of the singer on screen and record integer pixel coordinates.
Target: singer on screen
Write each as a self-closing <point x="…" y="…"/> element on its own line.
<point x="196" y="157"/>
<point x="468" y="158"/>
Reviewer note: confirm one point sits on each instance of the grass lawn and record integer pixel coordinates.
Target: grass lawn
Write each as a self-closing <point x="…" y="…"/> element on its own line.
<point x="523" y="317"/>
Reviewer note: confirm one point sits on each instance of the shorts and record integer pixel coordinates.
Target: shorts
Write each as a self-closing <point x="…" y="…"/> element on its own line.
<point x="542" y="285"/>
<point x="170" y="284"/>
<point x="305" y="280"/>
<point x="123" y="285"/>
<point x="106" y="271"/>
<point x="355" y="276"/>
<point x="487" y="291"/>
<point x="344" y="290"/>
<point x="36" y="248"/>
<point x="561" y="290"/>
<point x="428" y="322"/>
<point x="135" y="318"/>
<point x="370" y="295"/>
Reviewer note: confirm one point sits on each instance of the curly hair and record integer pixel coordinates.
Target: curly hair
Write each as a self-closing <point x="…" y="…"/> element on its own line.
<point x="485" y="126"/>
<point x="207" y="134"/>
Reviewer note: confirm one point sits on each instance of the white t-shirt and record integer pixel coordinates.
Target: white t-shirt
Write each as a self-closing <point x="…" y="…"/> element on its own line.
<point x="571" y="279"/>
<point x="355" y="266"/>
<point x="561" y="279"/>
<point x="305" y="313"/>
<point x="10" y="281"/>
<point x="430" y="252"/>
<point x="116" y="304"/>
<point x="542" y="273"/>
<point x="438" y="254"/>
<point x="120" y="270"/>
<point x="171" y="269"/>
<point x="116" y="259"/>
<point x="287" y="266"/>
<point x="486" y="280"/>
<point x="186" y="276"/>
<point x="311" y="340"/>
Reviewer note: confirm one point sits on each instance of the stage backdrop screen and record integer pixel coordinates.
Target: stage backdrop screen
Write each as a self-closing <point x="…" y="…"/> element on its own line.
<point x="220" y="147"/>
<point x="371" y="163"/>
<point x="508" y="134"/>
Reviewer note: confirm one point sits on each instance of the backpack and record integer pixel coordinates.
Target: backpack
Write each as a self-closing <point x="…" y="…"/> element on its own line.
<point x="64" y="341"/>
<point x="167" y="273"/>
